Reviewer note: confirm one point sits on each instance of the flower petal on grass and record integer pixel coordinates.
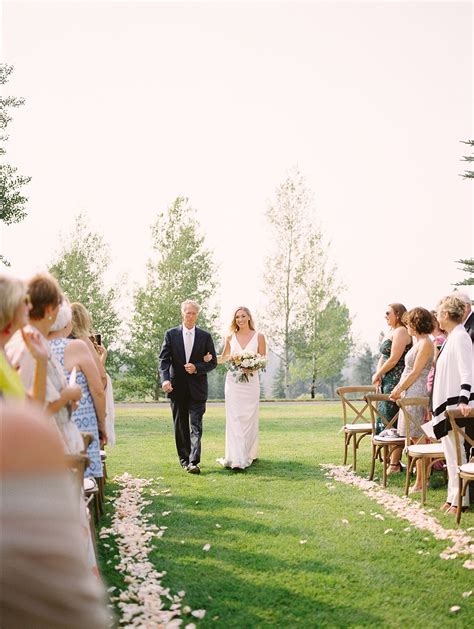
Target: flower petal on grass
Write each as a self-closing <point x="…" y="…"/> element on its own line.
<point x="454" y="609"/>
<point x="466" y="594"/>
<point x="303" y="541"/>
<point x="206" y="547"/>
<point x="461" y="543"/>
<point x="198" y="613"/>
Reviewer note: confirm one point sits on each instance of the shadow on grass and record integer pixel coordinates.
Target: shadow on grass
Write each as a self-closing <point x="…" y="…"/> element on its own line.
<point x="273" y="469"/>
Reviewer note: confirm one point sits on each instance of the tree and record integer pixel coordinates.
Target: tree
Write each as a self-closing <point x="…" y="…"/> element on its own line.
<point x="180" y="268"/>
<point x="365" y="366"/>
<point x="306" y="322"/>
<point x="12" y="202"/>
<point x="468" y="174"/>
<point x="79" y="267"/>
<point x="287" y="218"/>
<point x="468" y="267"/>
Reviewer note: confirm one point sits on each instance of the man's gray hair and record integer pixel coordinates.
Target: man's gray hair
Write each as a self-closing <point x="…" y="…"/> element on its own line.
<point x="190" y="302"/>
<point x="462" y="296"/>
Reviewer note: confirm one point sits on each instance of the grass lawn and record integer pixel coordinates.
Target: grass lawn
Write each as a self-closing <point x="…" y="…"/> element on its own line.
<point x="257" y="573"/>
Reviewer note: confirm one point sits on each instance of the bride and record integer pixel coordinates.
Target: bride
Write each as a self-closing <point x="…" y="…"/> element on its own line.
<point x="241" y="398"/>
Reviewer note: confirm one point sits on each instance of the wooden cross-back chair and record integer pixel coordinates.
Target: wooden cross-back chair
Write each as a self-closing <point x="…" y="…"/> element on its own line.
<point x="382" y="447"/>
<point x="356" y="421"/>
<point x="465" y="470"/>
<point x="419" y="447"/>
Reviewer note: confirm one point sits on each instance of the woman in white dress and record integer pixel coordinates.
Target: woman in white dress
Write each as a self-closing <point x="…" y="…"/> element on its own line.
<point x="241" y="398"/>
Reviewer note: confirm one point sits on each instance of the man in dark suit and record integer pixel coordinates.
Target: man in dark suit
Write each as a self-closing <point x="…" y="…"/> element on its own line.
<point x="183" y="373"/>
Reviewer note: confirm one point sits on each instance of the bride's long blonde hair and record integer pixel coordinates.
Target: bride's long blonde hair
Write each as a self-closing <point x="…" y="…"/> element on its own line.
<point x="234" y="327"/>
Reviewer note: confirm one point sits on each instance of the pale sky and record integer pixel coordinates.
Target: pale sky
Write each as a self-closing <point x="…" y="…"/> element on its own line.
<point x="130" y="104"/>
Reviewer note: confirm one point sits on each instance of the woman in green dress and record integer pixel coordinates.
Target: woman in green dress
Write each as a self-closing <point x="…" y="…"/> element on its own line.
<point x="391" y="365"/>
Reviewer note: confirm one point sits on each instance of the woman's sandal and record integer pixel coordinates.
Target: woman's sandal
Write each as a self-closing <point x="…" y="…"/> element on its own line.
<point x="445" y="507"/>
<point x="415" y="490"/>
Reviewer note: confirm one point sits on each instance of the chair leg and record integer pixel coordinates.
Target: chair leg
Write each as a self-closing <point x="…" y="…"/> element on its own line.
<point x="346" y="443"/>
<point x="407" y="479"/>
<point x="374" y="455"/>
<point x="354" y="453"/>
<point x="423" y="482"/>
<point x="459" y="507"/>
<point x="385" y="459"/>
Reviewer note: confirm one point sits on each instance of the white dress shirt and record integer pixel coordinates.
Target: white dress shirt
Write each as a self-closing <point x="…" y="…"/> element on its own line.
<point x="188" y="339"/>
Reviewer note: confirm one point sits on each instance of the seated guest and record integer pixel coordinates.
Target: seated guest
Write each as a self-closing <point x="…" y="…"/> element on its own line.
<point x="89" y="416"/>
<point x="452" y="388"/>
<point x="391" y="365"/>
<point x="413" y="383"/>
<point x="45" y="582"/>
<point x="14" y="309"/>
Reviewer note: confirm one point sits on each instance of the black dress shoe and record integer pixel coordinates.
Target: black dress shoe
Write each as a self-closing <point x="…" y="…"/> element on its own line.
<point x="184" y="465"/>
<point x="194" y="469"/>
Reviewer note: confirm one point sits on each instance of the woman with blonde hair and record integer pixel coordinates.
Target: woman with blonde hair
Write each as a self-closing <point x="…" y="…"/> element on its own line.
<point x="14" y="309"/>
<point x="82" y="329"/>
<point x="61" y="398"/>
<point x="452" y="388"/>
<point x="241" y="398"/>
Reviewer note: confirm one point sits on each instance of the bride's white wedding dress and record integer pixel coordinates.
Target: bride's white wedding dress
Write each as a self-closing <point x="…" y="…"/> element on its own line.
<point x="241" y="410"/>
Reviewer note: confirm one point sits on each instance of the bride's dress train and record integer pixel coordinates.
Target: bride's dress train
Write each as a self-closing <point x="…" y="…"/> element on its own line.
<point x="242" y="413"/>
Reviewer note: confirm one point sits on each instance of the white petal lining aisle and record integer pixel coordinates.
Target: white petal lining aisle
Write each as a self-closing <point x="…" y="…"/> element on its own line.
<point x="462" y="544"/>
<point x="146" y="603"/>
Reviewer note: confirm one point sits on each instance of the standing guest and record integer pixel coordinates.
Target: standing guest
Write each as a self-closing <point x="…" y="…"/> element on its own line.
<point x="452" y="388"/>
<point x="468" y="322"/>
<point x="45" y="297"/>
<point x="61" y="398"/>
<point x="82" y="329"/>
<point x="89" y="416"/>
<point x="438" y="335"/>
<point x="14" y="308"/>
<point x="390" y="367"/>
<point x="413" y="383"/>
<point x="183" y="374"/>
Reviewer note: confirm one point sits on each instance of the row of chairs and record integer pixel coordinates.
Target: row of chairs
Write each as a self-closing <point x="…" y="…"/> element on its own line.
<point x="360" y="413"/>
<point x="92" y="488"/>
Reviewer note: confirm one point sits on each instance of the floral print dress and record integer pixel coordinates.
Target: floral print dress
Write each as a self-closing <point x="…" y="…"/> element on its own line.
<point x="389" y="380"/>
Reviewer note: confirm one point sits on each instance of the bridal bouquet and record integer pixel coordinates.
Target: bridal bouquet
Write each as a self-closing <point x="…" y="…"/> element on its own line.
<point x="244" y="365"/>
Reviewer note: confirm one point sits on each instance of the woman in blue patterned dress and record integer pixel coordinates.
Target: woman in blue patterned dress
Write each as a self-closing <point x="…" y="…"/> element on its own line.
<point x="90" y="414"/>
<point x="390" y="367"/>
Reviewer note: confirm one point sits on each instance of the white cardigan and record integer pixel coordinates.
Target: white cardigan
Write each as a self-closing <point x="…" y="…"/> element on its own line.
<point x="453" y="378"/>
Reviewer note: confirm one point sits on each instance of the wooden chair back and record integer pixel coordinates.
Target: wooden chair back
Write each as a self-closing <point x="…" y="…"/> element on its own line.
<point x="351" y="414"/>
<point x="372" y="401"/>
<point x="411" y="421"/>
<point x="458" y="424"/>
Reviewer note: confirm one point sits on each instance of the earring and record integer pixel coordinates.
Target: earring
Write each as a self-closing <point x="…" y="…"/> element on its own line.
<point x="49" y="317"/>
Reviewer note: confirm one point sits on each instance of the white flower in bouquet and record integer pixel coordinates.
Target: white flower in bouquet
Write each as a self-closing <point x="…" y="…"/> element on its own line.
<point x="245" y="365"/>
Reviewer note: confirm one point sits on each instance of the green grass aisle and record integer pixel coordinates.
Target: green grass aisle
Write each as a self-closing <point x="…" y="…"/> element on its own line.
<point x="288" y="546"/>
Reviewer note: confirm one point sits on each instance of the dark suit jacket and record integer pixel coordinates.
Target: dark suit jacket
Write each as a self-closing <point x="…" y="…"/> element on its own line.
<point x="173" y="359"/>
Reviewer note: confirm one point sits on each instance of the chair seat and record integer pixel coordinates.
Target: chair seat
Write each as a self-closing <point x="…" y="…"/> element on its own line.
<point x="467" y="468"/>
<point x="426" y="449"/>
<point x="388" y="440"/>
<point x="90" y="484"/>
<point x="358" y="427"/>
